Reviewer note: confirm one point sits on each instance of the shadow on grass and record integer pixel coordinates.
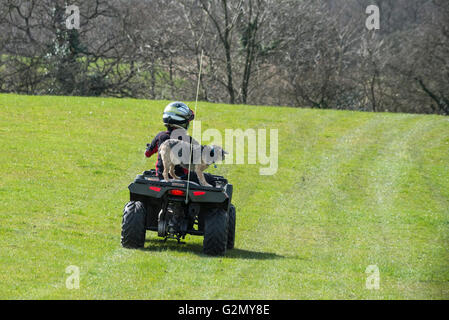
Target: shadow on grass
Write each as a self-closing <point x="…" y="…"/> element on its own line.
<point x="158" y="245"/>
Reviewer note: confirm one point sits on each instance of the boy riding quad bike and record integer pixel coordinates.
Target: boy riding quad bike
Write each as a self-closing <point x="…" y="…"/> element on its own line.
<point x="175" y="208"/>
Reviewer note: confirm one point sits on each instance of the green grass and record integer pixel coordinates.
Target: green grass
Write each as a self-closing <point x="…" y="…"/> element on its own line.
<point x="352" y="190"/>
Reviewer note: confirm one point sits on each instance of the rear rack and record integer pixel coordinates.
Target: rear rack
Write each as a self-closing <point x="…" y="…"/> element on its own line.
<point x="150" y="178"/>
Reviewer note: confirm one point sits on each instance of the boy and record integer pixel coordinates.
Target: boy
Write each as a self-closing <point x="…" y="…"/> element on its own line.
<point x="177" y="115"/>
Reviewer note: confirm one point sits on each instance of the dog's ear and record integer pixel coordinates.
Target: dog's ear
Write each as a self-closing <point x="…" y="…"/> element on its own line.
<point x="223" y="153"/>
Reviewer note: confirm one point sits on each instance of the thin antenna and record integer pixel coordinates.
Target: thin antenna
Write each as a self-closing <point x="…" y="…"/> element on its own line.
<point x="191" y="144"/>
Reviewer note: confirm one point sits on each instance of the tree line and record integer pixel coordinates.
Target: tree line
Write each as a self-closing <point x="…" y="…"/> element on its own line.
<point x="299" y="53"/>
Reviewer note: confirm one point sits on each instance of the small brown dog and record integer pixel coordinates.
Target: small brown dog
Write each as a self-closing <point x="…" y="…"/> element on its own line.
<point x="175" y="152"/>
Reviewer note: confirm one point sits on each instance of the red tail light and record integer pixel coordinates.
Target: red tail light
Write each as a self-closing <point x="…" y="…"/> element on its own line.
<point x="199" y="193"/>
<point x="176" y="192"/>
<point x="157" y="189"/>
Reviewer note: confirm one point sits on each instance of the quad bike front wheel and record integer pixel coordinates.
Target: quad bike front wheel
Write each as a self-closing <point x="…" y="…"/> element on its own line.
<point x="133" y="225"/>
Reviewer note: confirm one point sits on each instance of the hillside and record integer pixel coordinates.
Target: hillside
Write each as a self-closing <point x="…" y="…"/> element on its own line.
<point x="352" y="190"/>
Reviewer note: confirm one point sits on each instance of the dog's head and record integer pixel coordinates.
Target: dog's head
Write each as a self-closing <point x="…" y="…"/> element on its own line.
<point x="215" y="153"/>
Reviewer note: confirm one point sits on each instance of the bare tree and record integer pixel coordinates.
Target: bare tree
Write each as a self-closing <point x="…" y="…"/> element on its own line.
<point x="432" y="57"/>
<point x="308" y="53"/>
<point x="224" y="15"/>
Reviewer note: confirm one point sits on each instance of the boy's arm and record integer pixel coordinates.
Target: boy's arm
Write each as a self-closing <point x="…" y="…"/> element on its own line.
<point x="152" y="147"/>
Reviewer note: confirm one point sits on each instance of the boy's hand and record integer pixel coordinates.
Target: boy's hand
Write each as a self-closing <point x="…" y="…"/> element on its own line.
<point x="148" y="151"/>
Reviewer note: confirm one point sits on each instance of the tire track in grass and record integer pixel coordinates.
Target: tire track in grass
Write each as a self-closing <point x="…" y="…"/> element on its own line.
<point x="319" y="187"/>
<point x="354" y="210"/>
<point x="315" y="208"/>
<point x="378" y="183"/>
<point x="262" y="272"/>
<point x="335" y="241"/>
<point x="401" y="239"/>
<point x="431" y="171"/>
<point x="363" y="226"/>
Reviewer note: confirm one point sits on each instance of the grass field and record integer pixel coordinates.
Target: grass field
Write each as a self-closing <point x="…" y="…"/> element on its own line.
<point x="352" y="190"/>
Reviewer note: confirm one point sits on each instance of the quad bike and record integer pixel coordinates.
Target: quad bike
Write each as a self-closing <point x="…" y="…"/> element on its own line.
<point x="159" y="205"/>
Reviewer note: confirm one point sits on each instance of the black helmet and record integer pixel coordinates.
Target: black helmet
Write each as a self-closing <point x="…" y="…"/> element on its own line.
<point x="177" y="114"/>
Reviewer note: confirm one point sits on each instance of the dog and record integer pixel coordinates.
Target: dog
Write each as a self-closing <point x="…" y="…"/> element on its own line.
<point x="172" y="151"/>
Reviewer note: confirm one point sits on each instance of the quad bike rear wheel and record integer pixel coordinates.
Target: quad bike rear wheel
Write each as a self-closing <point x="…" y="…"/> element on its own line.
<point x="231" y="227"/>
<point x="133" y="225"/>
<point x="215" y="232"/>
